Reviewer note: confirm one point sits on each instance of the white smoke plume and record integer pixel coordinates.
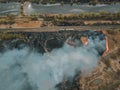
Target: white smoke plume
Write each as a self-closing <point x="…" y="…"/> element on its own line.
<point x="27" y="70"/>
<point x="28" y="9"/>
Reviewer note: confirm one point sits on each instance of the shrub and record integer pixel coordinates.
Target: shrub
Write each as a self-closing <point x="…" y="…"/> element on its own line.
<point x="6" y="36"/>
<point x="33" y="17"/>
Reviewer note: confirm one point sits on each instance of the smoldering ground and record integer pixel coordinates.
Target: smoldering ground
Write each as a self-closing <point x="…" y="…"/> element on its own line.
<point x="27" y="70"/>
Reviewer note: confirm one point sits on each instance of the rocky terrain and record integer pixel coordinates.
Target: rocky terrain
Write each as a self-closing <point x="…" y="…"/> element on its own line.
<point x="107" y="75"/>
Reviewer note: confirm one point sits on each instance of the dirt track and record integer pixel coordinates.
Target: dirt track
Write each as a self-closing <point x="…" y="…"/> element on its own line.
<point x="58" y="28"/>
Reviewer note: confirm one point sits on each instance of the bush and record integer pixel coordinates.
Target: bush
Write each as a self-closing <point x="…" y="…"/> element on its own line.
<point x="6" y="21"/>
<point x="6" y="36"/>
<point x="33" y="17"/>
<point x="102" y="15"/>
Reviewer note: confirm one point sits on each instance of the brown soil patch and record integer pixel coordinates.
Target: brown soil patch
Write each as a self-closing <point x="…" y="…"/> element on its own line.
<point x="28" y="24"/>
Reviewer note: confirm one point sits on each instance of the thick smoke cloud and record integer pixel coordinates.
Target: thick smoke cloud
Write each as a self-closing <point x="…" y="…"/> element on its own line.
<point x="28" y="70"/>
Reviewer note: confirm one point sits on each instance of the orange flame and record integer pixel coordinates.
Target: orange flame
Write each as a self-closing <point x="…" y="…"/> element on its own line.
<point x="107" y="48"/>
<point x="84" y="41"/>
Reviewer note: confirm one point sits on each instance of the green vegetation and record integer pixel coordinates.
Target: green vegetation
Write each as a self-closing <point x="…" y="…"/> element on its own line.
<point x="84" y="16"/>
<point x="59" y="19"/>
<point x="34" y="1"/>
<point x="33" y="17"/>
<point x="8" y="20"/>
<point x="91" y="2"/>
<point x="7" y="36"/>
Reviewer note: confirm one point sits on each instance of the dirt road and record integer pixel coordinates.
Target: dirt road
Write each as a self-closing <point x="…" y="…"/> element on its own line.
<point x="58" y="28"/>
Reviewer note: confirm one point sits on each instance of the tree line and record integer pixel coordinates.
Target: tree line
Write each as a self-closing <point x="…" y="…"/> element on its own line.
<point x="65" y="1"/>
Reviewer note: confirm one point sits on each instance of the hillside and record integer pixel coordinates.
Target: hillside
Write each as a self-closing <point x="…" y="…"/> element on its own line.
<point x="106" y="76"/>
